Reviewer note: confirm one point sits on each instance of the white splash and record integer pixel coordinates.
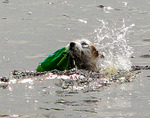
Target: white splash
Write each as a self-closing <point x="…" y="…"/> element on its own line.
<point x="112" y="42"/>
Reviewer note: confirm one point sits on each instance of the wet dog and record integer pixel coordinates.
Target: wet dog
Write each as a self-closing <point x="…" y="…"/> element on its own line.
<point x="85" y="54"/>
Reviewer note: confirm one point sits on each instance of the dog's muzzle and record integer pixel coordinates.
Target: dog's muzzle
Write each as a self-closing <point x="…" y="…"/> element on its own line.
<point x="71" y="46"/>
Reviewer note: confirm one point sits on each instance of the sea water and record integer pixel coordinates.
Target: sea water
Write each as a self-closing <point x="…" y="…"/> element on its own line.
<point x="112" y="42"/>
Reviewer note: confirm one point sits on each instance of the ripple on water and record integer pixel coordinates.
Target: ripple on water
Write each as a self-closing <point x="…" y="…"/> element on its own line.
<point x="69" y="80"/>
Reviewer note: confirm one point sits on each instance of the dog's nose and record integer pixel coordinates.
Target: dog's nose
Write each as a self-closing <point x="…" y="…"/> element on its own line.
<point x="72" y="44"/>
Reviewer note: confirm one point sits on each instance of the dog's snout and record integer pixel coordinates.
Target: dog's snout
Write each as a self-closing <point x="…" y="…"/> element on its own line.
<point x="72" y="44"/>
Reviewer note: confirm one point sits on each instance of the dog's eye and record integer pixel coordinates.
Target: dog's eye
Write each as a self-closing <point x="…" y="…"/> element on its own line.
<point x="84" y="45"/>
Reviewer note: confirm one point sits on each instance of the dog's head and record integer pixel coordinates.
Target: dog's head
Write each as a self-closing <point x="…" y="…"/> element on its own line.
<point x="83" y="48"/>
<point x="84" y="53"/>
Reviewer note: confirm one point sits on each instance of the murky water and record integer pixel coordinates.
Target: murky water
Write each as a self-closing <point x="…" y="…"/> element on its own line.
<point x="31" y="30"/>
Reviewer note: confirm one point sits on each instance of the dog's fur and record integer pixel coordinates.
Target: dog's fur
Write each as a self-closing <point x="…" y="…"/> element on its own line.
<point x="85" y="54"/>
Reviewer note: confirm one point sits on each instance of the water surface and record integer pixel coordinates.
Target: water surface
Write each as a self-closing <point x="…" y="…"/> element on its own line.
<point x="31" y="30"/>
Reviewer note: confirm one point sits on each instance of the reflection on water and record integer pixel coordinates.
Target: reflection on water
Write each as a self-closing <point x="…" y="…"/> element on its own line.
<point x="69" y="91"/>
<point x="70" y="79"/>
<point x="34" y="88"/>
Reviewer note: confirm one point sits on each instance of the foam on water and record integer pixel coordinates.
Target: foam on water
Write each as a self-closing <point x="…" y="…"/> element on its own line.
<point x="112" y="42"/>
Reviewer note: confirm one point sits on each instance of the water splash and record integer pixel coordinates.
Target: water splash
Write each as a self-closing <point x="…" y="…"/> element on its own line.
<point x="112" y="42"/>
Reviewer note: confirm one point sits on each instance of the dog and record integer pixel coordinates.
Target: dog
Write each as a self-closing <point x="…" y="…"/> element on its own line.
<point x="85" y="54"/>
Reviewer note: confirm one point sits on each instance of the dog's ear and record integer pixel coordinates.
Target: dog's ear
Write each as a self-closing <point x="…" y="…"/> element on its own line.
<point x="95" y="53"/>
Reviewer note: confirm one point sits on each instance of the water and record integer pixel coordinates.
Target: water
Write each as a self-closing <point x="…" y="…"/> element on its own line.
<point x="112" y="42"/>
<point x="31" y="30"/>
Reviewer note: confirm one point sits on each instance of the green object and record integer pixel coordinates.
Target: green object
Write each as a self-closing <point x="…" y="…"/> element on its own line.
<point x="60" y="60"/>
